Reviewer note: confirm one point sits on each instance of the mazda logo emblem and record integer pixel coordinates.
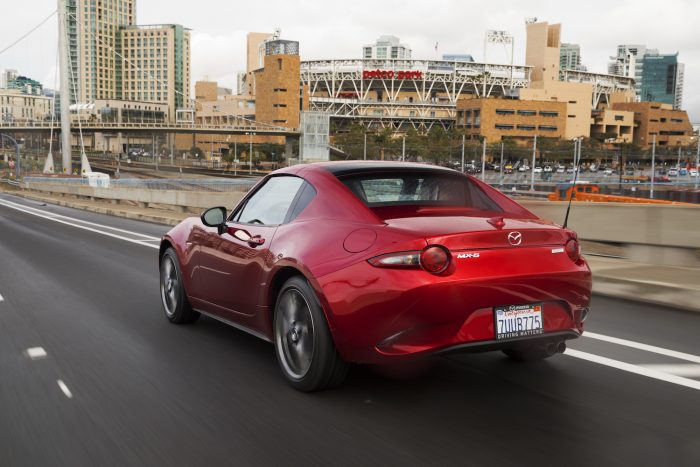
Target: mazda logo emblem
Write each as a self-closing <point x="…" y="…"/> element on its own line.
<point x="515" y="238"/>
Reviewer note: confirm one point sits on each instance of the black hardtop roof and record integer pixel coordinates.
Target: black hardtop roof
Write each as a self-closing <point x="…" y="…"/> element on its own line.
<point x="341" y="169"/>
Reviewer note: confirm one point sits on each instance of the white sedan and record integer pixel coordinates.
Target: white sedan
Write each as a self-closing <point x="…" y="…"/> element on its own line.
<point x="523" y="168"/>
<point x="538" y="170"/>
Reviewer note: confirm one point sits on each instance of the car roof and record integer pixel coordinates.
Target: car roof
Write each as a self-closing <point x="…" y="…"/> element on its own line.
<point x="343" y="168"/>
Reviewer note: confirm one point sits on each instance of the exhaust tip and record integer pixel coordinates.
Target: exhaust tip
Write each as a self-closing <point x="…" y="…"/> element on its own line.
<point x="561" y="347"/>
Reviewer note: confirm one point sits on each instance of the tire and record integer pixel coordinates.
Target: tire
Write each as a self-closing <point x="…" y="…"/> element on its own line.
<point x="531" y="353"/>
<point x="176" y="307"/>
<point x="303" y="343"/>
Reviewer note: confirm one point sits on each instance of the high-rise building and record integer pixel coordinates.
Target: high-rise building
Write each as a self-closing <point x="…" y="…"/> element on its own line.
<point x="7" y="75"/>
<point x="155" y="65"/>
<point x="570" y="57"/>
<point x="664" y="78"/>
<point x="96" y="35"/>
<point x="387" y="47"/>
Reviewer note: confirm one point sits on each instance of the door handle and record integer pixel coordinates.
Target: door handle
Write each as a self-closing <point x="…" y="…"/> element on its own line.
<point x="256" y="240"/>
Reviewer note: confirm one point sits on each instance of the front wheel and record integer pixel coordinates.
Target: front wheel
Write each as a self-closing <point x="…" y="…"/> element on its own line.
<point x="303" y="343"/>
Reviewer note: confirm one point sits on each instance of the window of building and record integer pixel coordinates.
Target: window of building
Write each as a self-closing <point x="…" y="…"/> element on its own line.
<point x="279" y="105"/>
<point x="280" y="90"/>
<point x="619" y="118"/>
<point x="501" y="126"/>
<point x="677" y="120"/>
<point x="526" y="127"/>
<point x="548" y="128"/>
<point x="548" y="113"/>
<point x="505" y="112"/>
<point x="527" y="112"/>
<point x="279" y="63"/>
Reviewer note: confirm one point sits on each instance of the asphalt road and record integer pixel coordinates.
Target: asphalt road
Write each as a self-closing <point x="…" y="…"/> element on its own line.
<point x="118" y="385"/>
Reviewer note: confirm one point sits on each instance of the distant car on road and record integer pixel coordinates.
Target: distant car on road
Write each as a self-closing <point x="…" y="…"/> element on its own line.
<point x="335" y="263"/>
<point x="608" y="171"/>
<point x="672" y="172"/>
<point x="524" y="168"/>
<point x="548" y="168"/>
<point x="561" y="169"/>
<point x="537" y="170"/>
<point x="683" y="172"/>
<point x="693" y="172"/>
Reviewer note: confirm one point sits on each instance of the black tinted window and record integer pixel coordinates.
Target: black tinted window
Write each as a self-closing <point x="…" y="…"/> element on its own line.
<point x="423" y="189"/>
<point x="306" y="194"/>
<point x="270" y="204"/>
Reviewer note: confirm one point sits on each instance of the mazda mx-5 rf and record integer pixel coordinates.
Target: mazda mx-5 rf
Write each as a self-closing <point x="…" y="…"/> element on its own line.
<point x="380" y="263"/>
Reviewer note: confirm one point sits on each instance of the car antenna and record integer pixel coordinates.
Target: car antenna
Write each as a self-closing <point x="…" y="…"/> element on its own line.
<point x="573" y="188"/>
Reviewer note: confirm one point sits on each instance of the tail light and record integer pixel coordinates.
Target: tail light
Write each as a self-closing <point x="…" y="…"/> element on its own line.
<point x="405" y="259"/>
<point x="435" y="259"/>
<point x="573" y="250"/>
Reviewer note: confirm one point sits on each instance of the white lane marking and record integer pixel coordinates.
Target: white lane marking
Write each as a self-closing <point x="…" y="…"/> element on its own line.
<point x="645" y="347"/>
<point x="639" y="370"/>
<point x="687" y="370"/>
<point x="53" y="214"/>
<point x="78" y="226"/>
<point x="36" y="352"/>
<point x="65" y="389"/>
<point x="1" y="299"/>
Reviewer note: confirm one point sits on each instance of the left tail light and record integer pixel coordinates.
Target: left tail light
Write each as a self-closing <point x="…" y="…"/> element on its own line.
<point x="434" y="259"/>
<point x="573" y="250"/>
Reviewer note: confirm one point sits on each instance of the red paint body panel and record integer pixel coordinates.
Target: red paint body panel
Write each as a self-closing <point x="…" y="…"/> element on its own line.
<point x="382" y="314"/>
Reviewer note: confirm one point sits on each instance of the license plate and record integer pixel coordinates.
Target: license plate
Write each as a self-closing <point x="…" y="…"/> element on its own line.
<point x="518" y="321"/>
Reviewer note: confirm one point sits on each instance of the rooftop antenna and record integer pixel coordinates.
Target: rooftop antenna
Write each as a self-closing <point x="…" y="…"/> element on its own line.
<point x="277" y="34"/>
<point x="531" y="20"/>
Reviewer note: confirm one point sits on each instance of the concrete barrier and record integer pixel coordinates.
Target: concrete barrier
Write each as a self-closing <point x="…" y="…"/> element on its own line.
<point x="656" y="234"/>
<point x="176" y="199"/>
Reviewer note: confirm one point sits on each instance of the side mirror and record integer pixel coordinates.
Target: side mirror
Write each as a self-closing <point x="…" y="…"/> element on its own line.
<point x="215" y="217"/>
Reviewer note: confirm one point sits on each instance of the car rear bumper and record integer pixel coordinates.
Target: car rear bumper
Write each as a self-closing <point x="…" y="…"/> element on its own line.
<point x="384" y="315"/>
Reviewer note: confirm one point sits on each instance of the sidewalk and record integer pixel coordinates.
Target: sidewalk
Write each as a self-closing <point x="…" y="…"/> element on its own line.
<point x="676" y="287"/>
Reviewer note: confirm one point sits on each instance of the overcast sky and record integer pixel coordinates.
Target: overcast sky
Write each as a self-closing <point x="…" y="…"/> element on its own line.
<point x="339" y="29"/>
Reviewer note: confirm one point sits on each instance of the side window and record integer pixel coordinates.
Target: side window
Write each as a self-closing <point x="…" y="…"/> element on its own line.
<point x="270" y="204"/>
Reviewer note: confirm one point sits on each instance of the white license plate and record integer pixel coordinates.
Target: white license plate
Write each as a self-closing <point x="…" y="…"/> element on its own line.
<point x="513" y="321"/>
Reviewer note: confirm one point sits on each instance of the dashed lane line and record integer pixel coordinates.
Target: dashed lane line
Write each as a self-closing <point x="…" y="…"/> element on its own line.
<point x="1" y="299"/>
<point x="644" y="347"/>
<point x="64" y="389"/>
<point x="141" y="242"/>
<point x="636" y="369"/>
<point x="36" y="352"/>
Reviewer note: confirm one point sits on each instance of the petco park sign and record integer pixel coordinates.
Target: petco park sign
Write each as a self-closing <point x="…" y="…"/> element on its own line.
<point x="390" y="74"/>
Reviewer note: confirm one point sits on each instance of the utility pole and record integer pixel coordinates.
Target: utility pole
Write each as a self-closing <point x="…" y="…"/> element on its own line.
<point x="153" y="147"/>
<point x="653" y="165"/>
<point x="532" y="169"/>
<point x="235" y="158"/>
<point x="501" y="182"/>
<point x="66" y="161"/>
<point x="463" y="137"/>
<point x="483" y="161"/>
<point x="678" y="166"/>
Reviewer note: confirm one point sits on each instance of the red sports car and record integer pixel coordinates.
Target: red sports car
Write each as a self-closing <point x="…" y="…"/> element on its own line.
<point x="375" y="262"/>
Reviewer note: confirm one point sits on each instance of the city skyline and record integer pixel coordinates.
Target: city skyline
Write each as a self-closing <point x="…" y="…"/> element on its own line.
<point x="218" y="41"/>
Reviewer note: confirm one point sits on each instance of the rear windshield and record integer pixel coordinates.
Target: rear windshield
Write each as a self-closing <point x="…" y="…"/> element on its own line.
<point x="419" y="189"/>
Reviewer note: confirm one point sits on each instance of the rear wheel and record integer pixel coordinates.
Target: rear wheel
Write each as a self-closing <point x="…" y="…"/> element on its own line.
<point x="303" y="343"/>
<point x="176" y="307"/>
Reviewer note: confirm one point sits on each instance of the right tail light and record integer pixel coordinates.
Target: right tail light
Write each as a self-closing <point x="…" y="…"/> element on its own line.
<point x="573" y="250"/>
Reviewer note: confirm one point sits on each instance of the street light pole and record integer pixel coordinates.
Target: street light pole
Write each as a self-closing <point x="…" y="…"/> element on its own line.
<point x="403" y="149"/>
<point x="365" y="149"/>
<point x="501" y="182"/>
<point x="534" y="155"/>
<point x="483" y="161"/>
<point x="697" y="164"/>
<point x="250" y="155"/>
<point x="463" y="137"/>
<point x="653" y="165"/>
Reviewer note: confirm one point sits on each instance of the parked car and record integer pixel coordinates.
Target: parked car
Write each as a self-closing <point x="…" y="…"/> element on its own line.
<point x="683" y="172"/>
<point x="693" y="172"/>
<point x="537" y="170"/>
<point x="561" y="169"/>
<point x="608" y="171"/>
<point x="343" y="262"/>
<point x="508" y="169"/>
<point x="524" y="168"/>
<point x="672" y="172"/>
<point x="548" y="168"/>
